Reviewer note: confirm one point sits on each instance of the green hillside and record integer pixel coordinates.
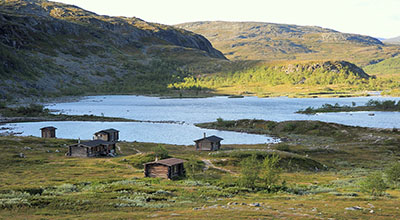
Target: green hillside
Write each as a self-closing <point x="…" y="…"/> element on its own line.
<point x="293" y="79"/>
<point x="390" y="66"/>
<point x="268" y="41"/>
<point x="49" y="48"/>
<point x="52" y="49"/>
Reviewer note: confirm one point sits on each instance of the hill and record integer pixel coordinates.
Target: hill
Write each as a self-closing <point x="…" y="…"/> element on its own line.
<point x="269" y="41"/>
<point x="53" y="48"/>
<point x="296" y="78"/>
<point x="395" y="40"/>
<point x="390" y="66"/>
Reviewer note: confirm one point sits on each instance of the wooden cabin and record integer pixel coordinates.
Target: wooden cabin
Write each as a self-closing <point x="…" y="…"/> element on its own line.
<point x="48" y="132"/>
<point x="210" y="143"/>
<point x="95" y="148"/>
<point x="111" y="135"/>
<point x="168" y="168"/>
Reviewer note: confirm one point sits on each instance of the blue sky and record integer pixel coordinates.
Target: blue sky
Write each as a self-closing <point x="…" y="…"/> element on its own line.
<point x="378" y="18"/>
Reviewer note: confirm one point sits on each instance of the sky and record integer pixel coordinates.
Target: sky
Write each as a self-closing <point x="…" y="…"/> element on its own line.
<point x="377" y="18"/>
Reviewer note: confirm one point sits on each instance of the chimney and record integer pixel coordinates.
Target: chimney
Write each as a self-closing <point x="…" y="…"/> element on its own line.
<point x="79" y="140"/>
<point x="204" y="134"/>
<point x="156" y="158"/>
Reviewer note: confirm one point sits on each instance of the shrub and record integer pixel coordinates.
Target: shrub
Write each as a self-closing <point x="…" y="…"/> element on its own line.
<point x="193" y="167"/>
<point x="270" y="172"/>
<point x="393" y="173"/>
<point x="161" y="152"/>
<point x="373" y="184"/>
<point x="249" y="170"/>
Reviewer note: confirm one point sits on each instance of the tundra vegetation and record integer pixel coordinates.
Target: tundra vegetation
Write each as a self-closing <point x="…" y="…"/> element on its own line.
<point x="321" y="170"/>
<point x="371" y="105"/>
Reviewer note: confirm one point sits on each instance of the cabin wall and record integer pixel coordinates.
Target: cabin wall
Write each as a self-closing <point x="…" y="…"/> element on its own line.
<point x="77" y="151"/>
<point x="101" y="136"/>
<point x="156" y="170"/>
<point x="203" y="145"/>
<point x="48" y="134"/>
<point x="177" y="170"/>
<point x="207" y="145"/>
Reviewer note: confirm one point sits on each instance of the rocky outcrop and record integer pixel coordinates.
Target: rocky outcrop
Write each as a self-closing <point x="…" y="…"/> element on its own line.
<point x="43" y="17"/>
<point x="327" y="66"/>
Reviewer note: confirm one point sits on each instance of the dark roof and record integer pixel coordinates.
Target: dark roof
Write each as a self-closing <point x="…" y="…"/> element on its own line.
<point x="95" y="143"/>
<point x="210" y="138"/>
<point x="168" y="162"/>
<point x="108" y="131"/>
<point x="48" y="128"/>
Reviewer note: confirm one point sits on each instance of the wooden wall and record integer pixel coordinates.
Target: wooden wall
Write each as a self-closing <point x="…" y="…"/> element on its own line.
<point x="76" y="151"/>
<point x="156" y="170"/>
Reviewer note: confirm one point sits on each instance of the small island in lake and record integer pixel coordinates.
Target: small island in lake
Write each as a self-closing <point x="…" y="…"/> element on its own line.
<point x="371" y="105"/>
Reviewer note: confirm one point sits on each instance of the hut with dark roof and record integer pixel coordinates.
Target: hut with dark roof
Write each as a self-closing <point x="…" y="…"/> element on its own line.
<point x="210" y="143"/>
<point x="107" y="135"/>
<point x="95" y="148"/>
<point x="168" y="168"/>
<point x="48" y="132"/>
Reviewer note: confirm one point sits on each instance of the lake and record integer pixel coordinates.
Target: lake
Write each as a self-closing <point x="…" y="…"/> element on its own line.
<point x="196" y="110"/>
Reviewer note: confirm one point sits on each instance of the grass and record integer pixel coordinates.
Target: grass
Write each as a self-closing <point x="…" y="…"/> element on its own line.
<point x="46" y="184"/>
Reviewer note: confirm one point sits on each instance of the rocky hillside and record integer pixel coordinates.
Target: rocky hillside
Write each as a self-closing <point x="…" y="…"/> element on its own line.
<point x="48" y="47"/>
<point x="268" y="41"/>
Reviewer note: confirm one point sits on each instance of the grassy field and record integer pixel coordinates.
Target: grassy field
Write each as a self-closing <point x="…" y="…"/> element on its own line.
<point x="321" y="178"/>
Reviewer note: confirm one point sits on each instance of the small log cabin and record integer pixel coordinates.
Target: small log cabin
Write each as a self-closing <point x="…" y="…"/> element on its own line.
<point x="107" y="135"/>
<point x="168" y="168"/>
<point x="48" y="132"/>
<point x="210" y="143"/>
<point x="95" y="148"/>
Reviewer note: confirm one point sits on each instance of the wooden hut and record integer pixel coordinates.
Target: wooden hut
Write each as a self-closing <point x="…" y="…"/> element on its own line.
<point x="107" y="135"/>
<point x="95" y="148"/>
<point x="210" y="143"/>
<point x="167" y="168"/>
<point x="48" y="132"/>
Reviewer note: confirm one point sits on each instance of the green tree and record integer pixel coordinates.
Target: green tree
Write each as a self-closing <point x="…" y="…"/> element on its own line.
<point x="373" y="184"/>
<point x="160" y="152"/>
<point x="393" y="173"/>
<point x="249" y="170"/>
<point x="193" y="167"/>
<point x="270" y="172"/>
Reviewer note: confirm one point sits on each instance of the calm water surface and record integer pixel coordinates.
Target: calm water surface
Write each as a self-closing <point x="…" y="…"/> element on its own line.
<point x="190" y="111"/>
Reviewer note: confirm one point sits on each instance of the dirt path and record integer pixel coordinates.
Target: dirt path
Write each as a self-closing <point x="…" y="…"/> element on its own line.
<point x="209" y="164"/>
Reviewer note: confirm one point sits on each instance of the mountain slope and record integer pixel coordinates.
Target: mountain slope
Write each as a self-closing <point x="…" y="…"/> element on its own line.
<point x="48" y="47"/>
<point x="395" y="40"/>
<point x="268" y="41"/>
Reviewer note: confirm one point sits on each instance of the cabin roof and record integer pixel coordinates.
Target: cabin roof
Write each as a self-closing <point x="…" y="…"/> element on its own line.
<point x="167" y="162"/>
<point x="107" y="131"/>
<point x="212" y="138"/>
<point x="48" y="128"/>
<point x="94" y="143"/>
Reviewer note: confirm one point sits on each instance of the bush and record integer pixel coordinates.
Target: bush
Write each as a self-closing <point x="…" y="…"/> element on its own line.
<point x="393" y="173"/>
<point x="373" y="184"/>
<point x="249" y="170"/>
<point x="270" y="172"/>
<point x="161" y="152"/>
<point x="193" y="167"/>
